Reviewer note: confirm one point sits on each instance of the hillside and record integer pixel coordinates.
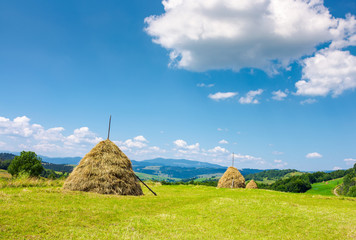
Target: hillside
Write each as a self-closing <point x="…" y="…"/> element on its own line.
<point x="325" y="188"/>
<point x="6" y="156"/>
<point x="178" y="212"/>
<point x="182" y="168"/>
<point x="168" y="162"/>
<point x="269" y="176"/>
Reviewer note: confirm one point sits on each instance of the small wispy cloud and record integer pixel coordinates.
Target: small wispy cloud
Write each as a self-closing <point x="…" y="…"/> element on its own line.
<point x="250" y="97"/>
<point x="350" y="161"/>
<point x="205" y="85"/>
<point x="222" y="95"/>
<point x="223" y="141"/>
<point x="308" y="101"/>
<point x="279" y="95"/>
<point x="314" y="155"/>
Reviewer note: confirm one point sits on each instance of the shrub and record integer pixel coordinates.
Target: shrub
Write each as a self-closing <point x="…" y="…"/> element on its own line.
<point x="28" y="163"/>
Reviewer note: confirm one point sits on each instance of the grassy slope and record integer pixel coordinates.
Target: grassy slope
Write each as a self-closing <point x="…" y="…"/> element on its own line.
<point x="178" y="212"/>
<point x="323" y="188"/>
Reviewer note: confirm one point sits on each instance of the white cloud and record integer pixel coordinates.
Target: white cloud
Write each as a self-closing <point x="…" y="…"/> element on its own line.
<point x="183" y="144"/>
<point x="130" y="144"/>
<point x="279" y="95"/>
<point x="222" y="129"/>
<point x="280" y="163"/>
<point x="223" y="141"/>
<point x="51" y="134"/>
<point x="155" y="148"/>
<point x="218" y="149"/>
<point x="250" y="97"/>
<point x="83" y="135"/>
<point x="20" y="126"/>
<point x="222" y="95"/>
<point x="248" y="158"/>
<point x="336" y="168"/>
<point x="328" y="72"/>
<point x="205" y="85"/>
<point x="134" y="144"/>
<point x="308" y="101"/>
<point x="140" y="139"/>
<point x="20" y="135"/>
<point x="313" y="155"/>
<point x="345" y="33"/>
<point x="223" y="34"/>
<point x="350" y="161"/>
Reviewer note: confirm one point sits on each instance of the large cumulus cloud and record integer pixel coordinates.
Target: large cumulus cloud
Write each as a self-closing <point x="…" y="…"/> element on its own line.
<point x="225" y="34"/>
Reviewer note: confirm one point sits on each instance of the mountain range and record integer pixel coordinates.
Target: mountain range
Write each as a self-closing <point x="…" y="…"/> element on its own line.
<point x="158" y="168"/>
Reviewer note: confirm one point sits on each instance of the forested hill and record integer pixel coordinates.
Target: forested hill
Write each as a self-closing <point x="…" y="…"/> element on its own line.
<point x="6" y="156"/>
<point x="273" y="174"/>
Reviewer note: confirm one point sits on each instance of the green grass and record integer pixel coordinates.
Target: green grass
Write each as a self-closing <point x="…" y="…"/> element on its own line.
<point x="266" y="181"/>
<point x="292" y="174"/>
<point x="4" y="174"/>
<point x="178" y="212"/>
<point x="325" y="188"/>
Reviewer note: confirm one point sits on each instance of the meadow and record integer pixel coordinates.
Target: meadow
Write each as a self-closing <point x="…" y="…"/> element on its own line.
<point x="325" y="188"/>
<point x="178" y="212"/>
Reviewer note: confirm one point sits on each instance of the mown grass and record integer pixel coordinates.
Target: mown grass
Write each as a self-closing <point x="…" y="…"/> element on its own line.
<point x="325" y="188"/>
<point x="178" y="212"/>
<point x="6" y="181"/>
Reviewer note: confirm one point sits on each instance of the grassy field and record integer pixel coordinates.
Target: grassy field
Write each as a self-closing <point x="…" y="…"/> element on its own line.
<point x="324" y="188"/>
<point x="178" y="212"/>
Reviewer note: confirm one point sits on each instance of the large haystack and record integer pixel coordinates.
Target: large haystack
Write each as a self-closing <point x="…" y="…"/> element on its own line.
<point x="252" y="184"/>
<point x="106" y="170"/>
<point x="232" y="178"/>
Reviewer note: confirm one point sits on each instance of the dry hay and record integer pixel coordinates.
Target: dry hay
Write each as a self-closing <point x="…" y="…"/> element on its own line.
<point x="252" y="184"/>
<point x="232" y="178"/>
<point x="106" y="170"/>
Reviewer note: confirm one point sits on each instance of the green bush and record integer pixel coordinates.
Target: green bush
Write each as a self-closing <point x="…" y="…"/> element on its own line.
<point x="28" y="163"/>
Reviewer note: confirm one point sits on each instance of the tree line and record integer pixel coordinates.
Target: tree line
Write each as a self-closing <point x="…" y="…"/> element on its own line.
<point x="348" y="188"/>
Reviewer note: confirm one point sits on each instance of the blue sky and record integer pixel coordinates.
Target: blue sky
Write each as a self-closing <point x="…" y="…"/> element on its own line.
<point x="272" y="81"/>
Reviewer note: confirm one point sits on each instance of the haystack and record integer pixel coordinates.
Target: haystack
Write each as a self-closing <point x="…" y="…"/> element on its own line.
<point x="106" y="170"/>
<point x="252" y="184"/>
<point x="232" y="178"/>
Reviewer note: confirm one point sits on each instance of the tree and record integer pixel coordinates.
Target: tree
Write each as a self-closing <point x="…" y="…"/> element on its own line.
<point x="27" y="163"/>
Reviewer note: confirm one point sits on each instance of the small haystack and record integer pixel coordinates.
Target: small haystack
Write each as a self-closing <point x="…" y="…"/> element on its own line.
<point x="252" y="184"/>
<point x="106" y="170"/>
<point x="232" y="178"/>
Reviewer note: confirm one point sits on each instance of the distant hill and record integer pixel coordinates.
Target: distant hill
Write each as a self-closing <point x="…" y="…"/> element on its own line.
<point x="176" y="163"/>
<point x="62" y="160"/>
<point x="6" y="156"/>
<point x="58" y="167"/>
<point x="5" y="160"/>
<point x="272" y="174"/>
<point x="181" y="168"/>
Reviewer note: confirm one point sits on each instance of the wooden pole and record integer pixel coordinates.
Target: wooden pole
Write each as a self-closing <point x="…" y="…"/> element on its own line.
<point x="146" y="185"/>
<point x="233" y="159"/>
<point x="109" y="127"/>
